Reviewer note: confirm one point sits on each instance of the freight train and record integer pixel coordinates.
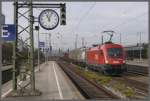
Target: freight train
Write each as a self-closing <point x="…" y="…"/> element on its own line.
<point x="108" y="58"/>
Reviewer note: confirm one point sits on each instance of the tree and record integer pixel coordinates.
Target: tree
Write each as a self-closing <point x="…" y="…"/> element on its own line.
<point x="145" y="51"/>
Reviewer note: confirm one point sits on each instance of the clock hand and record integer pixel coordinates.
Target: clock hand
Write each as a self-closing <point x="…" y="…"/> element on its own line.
<point x="48" y="17"/>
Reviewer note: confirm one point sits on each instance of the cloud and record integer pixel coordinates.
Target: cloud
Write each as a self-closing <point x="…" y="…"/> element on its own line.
<point x="89" y="19"/>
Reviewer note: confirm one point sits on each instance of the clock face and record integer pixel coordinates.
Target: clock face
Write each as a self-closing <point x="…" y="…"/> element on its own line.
<point x="48" y="19"/>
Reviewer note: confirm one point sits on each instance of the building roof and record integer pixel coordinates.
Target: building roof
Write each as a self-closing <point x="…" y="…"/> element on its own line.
<point x="133" y="47"/>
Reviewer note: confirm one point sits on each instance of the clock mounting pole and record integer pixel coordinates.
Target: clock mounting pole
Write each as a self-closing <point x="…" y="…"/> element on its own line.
<point x="25" y="69"/>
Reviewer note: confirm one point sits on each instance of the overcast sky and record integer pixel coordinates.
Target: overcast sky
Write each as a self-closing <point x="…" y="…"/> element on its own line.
<point x="89" y="19"/>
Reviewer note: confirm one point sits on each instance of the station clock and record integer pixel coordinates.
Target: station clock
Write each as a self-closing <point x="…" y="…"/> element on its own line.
<point x="48" y="19"/>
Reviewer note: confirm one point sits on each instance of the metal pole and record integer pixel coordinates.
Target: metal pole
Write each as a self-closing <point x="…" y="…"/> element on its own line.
<point x="82" y="41"/>
<point x="140" y="48"/>
<point x="38" y="51"/>
<point x="120" y="39"/>
<point x="28" y="56"/>
<point x="45" y="50"/>
<point x="76" y="45"/>
<point x="0" y="66"/>
<point x="61" y="44"/>
<point x="50" y="45"/>
<point x="0" y="50"/>
<point x="46" y="45"/>
<point x="15" y="46"/>
<point x="86" y="67"/>
<point x="102" y="39"/>
<point x="32" y="47"/>
<point x="76" y="41"/>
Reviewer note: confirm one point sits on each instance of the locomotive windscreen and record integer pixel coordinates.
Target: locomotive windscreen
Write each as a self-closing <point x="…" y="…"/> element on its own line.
<point x="115" y="52"/>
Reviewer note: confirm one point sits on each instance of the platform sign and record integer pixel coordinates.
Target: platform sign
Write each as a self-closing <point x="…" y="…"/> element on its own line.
<point x="41" y="44"/>
<point x="8" y="32"/>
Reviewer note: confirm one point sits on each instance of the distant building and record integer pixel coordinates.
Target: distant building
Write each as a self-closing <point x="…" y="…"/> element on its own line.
<point x="133" y="51"/>
<point x="133" y="47"/>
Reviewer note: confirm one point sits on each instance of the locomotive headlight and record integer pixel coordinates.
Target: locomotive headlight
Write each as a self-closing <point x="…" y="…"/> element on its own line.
<point x="106" y="61"/>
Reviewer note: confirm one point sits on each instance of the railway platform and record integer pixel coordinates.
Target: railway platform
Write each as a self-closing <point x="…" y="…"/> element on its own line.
<point x="51" y="81"/>
<point x="138" y="62"/>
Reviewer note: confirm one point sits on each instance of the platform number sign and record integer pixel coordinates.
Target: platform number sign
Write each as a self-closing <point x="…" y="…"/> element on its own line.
<point x="8" y="32"/>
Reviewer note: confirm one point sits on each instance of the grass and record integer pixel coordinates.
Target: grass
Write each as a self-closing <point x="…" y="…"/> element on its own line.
<point x="104" y="80"/>
<point x="126" y="90"/>
<point x="93" y="76"/>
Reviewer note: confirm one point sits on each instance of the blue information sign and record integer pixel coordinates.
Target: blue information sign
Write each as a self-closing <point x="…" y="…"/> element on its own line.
<point x="41" y="44"/>
<point x="9" y="32"/>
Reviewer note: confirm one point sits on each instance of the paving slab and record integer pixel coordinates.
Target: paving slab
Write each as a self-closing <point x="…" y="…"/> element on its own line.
<point x="53" y="83"/>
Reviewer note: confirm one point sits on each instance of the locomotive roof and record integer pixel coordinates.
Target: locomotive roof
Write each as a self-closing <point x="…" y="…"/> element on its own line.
<point x="78" y="49"/>
<point x="104" y="45"/>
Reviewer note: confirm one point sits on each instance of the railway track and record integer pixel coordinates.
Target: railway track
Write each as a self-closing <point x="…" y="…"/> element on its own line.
<point x="140" y="88"/>
<point x="135" y="79"/>
<point x="89" y="89"/>
<point x="140" y="70"/>
<point x="137" y="84"/>
<point x="134" y="83"/>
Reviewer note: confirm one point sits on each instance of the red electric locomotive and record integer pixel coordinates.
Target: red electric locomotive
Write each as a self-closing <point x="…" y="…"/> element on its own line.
<point x="108" y="58"/>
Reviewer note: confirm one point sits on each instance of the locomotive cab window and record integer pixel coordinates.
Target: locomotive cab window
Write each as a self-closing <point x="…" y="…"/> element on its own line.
<point x="115" y="52"/>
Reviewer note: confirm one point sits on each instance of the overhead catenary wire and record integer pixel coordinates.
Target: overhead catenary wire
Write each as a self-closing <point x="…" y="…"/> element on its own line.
<point x="127" y="21"/>
<point x="85" y="15"/>
<point x="130" y="20"/>
<point x="103" y="25"/>
<point x="79" y="22"/>
<point x="83" y="18"/>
